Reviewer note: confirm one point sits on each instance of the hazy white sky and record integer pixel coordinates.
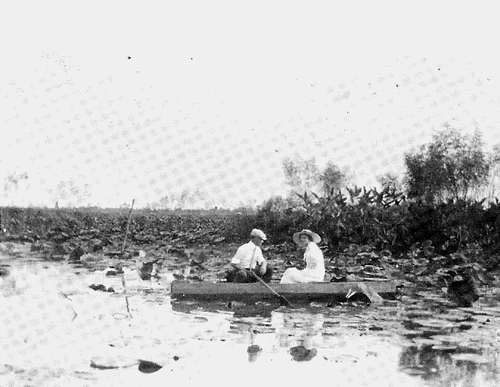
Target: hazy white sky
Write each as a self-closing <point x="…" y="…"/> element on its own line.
<point x="141" y="99"/>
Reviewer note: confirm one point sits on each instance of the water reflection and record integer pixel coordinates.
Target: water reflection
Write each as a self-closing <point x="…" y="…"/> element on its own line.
<point x="449" y="367"/>
<point x="441" y="347"/>
<point x="417" y="342"/>
<point x="295" y="332"/>
<point x="304" y="352"/>
<point x="298" y="329"/>
<point x="253" y="351"/>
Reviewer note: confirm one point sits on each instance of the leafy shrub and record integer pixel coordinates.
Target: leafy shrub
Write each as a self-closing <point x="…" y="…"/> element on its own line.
<point x="385" y="220"/>
<point x="280" y="218"/>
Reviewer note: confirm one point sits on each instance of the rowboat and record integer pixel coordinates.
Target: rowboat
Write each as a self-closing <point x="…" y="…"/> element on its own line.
<point x="313" y="291"/>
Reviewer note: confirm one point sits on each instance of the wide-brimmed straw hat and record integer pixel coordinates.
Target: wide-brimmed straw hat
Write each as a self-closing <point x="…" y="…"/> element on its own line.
<point x="315" y="237"/>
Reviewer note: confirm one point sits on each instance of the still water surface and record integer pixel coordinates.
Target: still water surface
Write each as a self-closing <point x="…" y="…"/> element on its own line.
<point x="56" y="331"/>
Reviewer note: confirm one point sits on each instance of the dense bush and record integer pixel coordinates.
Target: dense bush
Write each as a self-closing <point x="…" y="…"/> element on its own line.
<point x="279" y="217"/>
<point x="385" y="220"/>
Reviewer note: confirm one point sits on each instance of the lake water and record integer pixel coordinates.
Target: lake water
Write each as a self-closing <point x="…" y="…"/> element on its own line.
<point x="56" y="331"/>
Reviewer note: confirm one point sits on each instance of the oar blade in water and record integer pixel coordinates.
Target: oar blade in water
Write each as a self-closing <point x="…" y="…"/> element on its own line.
<point x="370" y="293"/>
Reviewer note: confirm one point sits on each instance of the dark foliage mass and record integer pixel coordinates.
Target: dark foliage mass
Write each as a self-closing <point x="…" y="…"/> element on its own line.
<point x="453" y="165"/>
<point x="387" y="220"/>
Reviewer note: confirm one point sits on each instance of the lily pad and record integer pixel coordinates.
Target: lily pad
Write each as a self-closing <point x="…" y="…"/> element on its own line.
<point x="112" y="362"/>
<point x="148" y="367"/>
<point x="447" y="339"/>
<point x="434" y="323"/>
<point x="470" y="357"/>
<point x="415" y="371"/>
<point x="445" y="348"/>
<point x="425" y="342"/>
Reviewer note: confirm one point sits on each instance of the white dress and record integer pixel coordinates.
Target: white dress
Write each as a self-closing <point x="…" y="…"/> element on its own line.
<point x="314" y="271"/>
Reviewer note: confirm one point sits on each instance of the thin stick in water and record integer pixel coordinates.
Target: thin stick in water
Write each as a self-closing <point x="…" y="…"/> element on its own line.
<point x="128" y="225"/>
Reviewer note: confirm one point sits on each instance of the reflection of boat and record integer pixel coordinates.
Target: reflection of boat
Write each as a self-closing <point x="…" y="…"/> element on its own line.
<point x="314" y="291"/>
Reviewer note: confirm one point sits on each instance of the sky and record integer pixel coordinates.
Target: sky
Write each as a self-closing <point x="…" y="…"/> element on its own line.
<point x="123" y="101"/>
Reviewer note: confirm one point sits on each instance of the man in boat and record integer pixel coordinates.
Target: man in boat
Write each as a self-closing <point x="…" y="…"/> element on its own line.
<point x="249" y="261"/>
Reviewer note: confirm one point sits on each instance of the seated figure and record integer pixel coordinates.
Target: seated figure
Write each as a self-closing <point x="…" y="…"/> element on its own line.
<point x="315" y="268"/>
<point x="249" y="261"/>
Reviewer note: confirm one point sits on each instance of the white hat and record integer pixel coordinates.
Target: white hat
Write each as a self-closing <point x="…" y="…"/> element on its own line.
<point x="257" y="233"/>
<point x="315" y="237"/>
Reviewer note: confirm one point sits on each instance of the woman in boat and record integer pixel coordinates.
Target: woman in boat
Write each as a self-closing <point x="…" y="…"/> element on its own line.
<point x="315" y="269"/>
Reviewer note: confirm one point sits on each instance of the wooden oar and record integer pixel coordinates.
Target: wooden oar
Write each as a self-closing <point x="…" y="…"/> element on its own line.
<point x="271" y="289"/>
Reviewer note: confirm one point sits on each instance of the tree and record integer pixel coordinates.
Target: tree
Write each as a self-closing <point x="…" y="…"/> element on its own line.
<point x="390" y="180"/>
<point x="70" y="194"/>
<point x="332" y="178"/>
<point x="494" y="159"/>
<point x="164" y="203"/>
<point x="453" y="165"/>
<point x="12" y="182"/>
<point x="305" y="176"/>
<point x="301" y="175"/>
<point x="180" y="200"/>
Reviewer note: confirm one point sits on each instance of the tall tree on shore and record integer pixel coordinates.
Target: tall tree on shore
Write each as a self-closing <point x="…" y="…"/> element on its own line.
<point x="332" y="177"/>
<point x="453" y="165"/>
<point x="303" y="175"/>
<point x="300" y="174"/>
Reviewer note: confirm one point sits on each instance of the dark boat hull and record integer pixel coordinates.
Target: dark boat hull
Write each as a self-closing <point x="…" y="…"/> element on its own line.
<point x="315" y="291"/>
